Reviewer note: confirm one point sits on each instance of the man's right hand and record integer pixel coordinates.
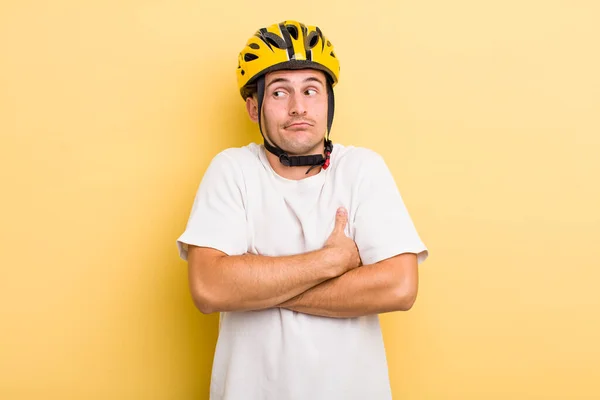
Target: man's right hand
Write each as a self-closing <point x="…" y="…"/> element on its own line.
<point x="343" y="248"/>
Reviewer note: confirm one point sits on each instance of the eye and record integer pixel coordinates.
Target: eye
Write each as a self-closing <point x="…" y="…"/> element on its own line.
<point x="310" y="92"/>
<point x="278" y="93"/>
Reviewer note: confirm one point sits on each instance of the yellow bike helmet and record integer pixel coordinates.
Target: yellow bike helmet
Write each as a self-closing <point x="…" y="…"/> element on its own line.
<point x="283" y="46"/>
<point x="287" y="45"/>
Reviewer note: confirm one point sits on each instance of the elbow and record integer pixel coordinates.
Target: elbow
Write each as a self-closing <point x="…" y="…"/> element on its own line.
<point x="205" y="293"/>
<point x="202" y="302"/>
<point x="204" y="306"/>
<point x="206" y="296"/>
<point x="205" y="301"/>
<point x="406" y="290"/>
<point x="207" y="309"/>
<point x="405" y="298"/>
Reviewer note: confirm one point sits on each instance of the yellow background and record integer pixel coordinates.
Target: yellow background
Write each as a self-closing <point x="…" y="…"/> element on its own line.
<point x="486" y="112"/>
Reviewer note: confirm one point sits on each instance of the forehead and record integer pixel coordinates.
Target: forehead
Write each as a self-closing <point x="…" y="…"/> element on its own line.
<point x="295" y="76"/>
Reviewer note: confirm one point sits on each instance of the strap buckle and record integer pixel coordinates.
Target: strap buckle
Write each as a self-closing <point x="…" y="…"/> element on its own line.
<point x="284" y="159"/>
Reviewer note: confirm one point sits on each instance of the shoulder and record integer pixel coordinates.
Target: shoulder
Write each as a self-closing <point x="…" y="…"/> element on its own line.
<point x="236" y="158"/>
<point x="231" y="165"/>
<point x="239" y="155"/>
<point x="359" y="160"/>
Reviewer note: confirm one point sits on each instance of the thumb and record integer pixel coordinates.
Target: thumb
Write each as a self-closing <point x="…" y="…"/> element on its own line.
<point x="341" y="217"/>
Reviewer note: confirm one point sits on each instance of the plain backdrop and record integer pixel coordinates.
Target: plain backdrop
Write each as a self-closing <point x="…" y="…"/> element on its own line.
<point x="487" y="113"/>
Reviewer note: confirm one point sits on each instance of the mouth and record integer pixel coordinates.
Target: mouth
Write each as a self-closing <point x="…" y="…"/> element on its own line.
<point x="298" y="125"/>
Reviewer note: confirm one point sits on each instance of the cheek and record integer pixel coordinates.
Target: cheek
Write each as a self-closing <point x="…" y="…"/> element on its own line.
<point x="276" y="113"/>
<point x="321" y="111"/>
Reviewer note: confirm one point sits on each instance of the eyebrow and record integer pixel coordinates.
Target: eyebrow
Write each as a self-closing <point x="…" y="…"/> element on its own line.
<point x="309" y="79"/>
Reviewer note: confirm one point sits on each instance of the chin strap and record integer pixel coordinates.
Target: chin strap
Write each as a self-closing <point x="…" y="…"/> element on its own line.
<point x="313" y="160"/>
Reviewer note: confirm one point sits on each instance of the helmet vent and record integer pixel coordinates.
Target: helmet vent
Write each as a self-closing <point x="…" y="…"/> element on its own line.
<point x="328" y="43"/>
<point x="249" y="57"/>
<point x="273" y="40"/>
<point x="312" y="39"/>
<point x="243" y="72"/>
<point x="254" y="46"/>
<point x="293" y="31"/>
<point x="332" y="55"/>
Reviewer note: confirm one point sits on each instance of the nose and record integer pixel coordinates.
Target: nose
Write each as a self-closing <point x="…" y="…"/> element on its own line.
<point x="297" y="105"/>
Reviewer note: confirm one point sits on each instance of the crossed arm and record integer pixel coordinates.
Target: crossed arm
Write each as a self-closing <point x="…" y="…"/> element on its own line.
<point x="328" y="282"/>
<point x="389" y="285"/>
<point x="249" y="282"/>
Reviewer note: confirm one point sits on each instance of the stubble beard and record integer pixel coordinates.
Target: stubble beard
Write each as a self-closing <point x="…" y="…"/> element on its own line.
<point x="293" y="147"/>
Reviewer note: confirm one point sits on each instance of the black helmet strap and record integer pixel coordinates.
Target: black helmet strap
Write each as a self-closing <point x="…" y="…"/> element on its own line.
<point x="312" y="160"/>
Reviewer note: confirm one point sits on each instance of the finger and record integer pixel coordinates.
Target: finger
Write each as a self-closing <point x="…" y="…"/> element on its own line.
<point x="341" y="218"/>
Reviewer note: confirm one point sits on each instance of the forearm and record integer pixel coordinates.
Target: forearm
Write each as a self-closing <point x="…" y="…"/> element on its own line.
<point x="370" y="289"/>
<point x="253" y="282"/>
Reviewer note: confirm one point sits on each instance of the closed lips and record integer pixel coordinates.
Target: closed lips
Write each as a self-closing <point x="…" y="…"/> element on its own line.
<point x="298" y="124"/>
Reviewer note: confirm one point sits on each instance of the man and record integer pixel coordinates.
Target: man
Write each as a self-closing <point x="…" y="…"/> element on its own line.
<point x="298" y="243"/>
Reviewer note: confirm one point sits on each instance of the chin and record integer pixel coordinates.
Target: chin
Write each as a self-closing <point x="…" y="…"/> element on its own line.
<point x="299" y="142"/>
<point x="305" y="149"/>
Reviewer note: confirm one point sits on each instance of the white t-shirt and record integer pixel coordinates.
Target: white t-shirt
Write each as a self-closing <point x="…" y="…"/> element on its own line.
<point x="243" y="206"/>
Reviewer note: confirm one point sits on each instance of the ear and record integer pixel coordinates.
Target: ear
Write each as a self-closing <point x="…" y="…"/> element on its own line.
<point x="252" y="108"/>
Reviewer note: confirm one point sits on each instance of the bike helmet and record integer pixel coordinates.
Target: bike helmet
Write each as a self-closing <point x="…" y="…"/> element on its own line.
<point x="283" y="46"/>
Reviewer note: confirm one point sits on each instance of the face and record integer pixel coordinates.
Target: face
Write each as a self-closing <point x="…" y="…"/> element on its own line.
<point x="294" y="110"/>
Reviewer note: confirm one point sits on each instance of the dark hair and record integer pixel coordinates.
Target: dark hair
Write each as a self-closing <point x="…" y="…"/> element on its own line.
<point x="249" y="90"/>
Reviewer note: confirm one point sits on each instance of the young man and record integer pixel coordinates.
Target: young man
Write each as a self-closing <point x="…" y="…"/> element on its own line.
<point x="298" y="243"/>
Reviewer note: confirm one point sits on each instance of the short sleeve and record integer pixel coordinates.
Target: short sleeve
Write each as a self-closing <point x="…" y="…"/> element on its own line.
<point x="218" y="216"/>
<point x="382" y="225"/>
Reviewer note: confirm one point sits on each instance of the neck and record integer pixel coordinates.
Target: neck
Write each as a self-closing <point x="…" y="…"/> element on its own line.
<point x="294" y="173"/>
